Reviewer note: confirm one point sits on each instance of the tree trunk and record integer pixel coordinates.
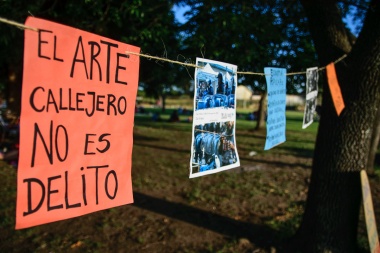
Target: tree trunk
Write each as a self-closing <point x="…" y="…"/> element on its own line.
<point x="163" y="102"/>
<point x="261" y="111"/>
<point x="334" y="198"/>
<point x="374" y="145"/>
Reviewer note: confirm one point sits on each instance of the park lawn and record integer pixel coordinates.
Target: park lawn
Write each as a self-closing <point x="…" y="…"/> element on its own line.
<point x="255" y="207"/>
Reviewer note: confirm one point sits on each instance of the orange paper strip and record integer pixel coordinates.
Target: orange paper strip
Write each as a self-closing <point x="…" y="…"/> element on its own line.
<point x="334" y="88"/>
<point x="76" y="128"/>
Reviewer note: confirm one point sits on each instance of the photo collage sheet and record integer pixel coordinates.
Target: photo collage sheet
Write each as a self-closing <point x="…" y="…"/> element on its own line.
<point x="311" y="96"/>
<point x="213" y="136"/>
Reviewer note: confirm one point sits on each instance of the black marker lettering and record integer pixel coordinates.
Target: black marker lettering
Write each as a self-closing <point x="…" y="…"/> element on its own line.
<point x="67" y="195"/>
<point x="29" y="181"/>
<point x="118" y="56"/>
<point x="106" y="184"/>
<point x="83" y="60"/>
<point x="55" y="50"/>
<point x="50" y="192"/>
<point x="40" y="42"/>
<point x="93" y="58"/>
<point x="109" y="45"/>
<point x="31" y="99"/>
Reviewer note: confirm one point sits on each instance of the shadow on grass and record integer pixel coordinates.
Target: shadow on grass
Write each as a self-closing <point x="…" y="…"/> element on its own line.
<point x="274" y="163"/>
<point x="140" y="137"/>
<point x="182" y="126"/>
<point x="174" y="149"/>
<point x="260" y="235"/>
<point x="301" y="152"/>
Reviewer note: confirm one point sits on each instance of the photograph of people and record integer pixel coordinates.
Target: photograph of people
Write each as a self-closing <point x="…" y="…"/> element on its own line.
<point x="215" y="86"/>
<point x="309" y="111"/>
<point x="213" y="146"/>
<point x="311" y="80"/>
<point x="311" y="96"/>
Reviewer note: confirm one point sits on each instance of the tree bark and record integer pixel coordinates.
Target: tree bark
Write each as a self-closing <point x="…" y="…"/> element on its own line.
<point x="374" y="145"/>
<point x="332" y="209"/>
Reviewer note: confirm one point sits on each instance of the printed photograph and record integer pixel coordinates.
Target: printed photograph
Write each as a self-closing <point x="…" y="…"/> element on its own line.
<point x="311" y="80"/>
<point x="310" y="109"/>
<point x="213" y="142"/>
<point x="215" y="85"/>
<point x="213" y="146"/>
<point x="311" y="96"/>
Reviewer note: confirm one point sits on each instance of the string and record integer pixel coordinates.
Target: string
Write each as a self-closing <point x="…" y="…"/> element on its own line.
<point x="319" y="69"/>
<point x="335" y="62"/>
<point x="163" y="59"/>
<point x="250" y="73"/>
<point x="19" y="25"/>
<point x="293" y="73"/>
<point x="237" y="72"/>
<point x="22" y="26"/>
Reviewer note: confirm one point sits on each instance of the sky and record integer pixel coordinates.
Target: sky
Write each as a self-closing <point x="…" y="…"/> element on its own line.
<point x="179" y="11"/>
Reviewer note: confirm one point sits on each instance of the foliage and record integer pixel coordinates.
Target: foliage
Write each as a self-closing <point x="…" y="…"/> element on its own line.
<point x="147" y="24"/>
<point x="253" y="35"/>
<point x="257" y="34"/>
<point x="341" y="152"/>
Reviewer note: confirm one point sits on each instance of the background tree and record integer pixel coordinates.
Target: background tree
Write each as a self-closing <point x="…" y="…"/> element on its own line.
<point x="374" y="146"/>
<point x="254" y="34"/>
<point x="147" y="24"/>
<point x="334" y="198"/>
<point x="342" y="147"/>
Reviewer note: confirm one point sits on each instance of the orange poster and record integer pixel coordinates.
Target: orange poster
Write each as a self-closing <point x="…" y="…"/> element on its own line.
<point x="334" y="88"/>
<point x="76" y="127"/>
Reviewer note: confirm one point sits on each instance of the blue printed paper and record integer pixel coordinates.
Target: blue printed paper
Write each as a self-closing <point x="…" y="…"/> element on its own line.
<point x="276" y="120"/>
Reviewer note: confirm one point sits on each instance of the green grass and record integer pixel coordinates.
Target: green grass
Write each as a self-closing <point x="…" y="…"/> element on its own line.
<point x="293" y="119"/>
<point x="268" y="190"/>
